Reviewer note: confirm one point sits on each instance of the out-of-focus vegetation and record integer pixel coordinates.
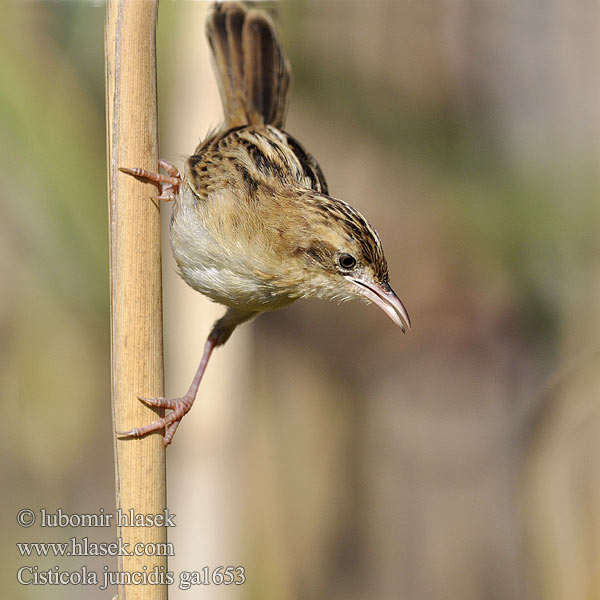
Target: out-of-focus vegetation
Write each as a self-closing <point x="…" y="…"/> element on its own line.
<point x="457" y="461"/>
<point x="54" y="309"/>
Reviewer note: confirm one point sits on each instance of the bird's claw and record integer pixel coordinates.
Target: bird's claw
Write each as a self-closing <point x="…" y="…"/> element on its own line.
<point x="179" y="408"/>
<point x="168" y="185"/>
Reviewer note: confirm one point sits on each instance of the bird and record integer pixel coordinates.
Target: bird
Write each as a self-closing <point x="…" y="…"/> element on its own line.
<point x="253" y="225"/>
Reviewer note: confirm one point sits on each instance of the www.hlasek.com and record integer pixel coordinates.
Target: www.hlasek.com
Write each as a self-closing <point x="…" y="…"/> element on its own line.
<point x="83" y="546"/>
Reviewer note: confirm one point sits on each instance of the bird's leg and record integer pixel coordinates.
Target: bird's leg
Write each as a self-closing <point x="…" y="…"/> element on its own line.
<point x="179" y="407"/>
<point x="167" y="184"/>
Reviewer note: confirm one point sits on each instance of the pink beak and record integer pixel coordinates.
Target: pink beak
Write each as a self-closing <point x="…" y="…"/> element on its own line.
<point x="385" y="297"/>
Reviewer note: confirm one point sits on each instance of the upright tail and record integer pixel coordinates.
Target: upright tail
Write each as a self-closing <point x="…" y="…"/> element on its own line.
<point x="252" y="73"/>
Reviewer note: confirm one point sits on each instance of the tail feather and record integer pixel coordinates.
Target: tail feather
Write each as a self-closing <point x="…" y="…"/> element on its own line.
<point x="252" y="72"/>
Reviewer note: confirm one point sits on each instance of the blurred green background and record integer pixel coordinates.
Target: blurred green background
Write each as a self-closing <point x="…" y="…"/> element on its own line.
<point x="328" y="454"/>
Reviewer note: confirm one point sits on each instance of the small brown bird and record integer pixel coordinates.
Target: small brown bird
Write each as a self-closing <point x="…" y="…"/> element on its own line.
<point x="253" y="224"/>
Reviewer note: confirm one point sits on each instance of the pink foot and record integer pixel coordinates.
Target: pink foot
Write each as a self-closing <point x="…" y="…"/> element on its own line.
<point x="179" y="407"/>
<point x="168" y="185"/>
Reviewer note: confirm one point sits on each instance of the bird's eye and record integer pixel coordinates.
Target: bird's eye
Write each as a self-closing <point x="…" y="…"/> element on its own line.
<point x="346" y="261"/>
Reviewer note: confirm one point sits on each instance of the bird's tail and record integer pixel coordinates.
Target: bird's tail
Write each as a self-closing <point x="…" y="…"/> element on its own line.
<point x="252" y="72"/>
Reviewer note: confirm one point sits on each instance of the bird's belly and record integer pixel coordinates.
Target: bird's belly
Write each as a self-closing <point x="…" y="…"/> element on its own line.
<point x="231" y="288"/>
<point x="227" y="275"/>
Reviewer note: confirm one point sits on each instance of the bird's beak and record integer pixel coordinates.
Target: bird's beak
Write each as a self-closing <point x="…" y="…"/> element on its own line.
<point x="385" y="297"/>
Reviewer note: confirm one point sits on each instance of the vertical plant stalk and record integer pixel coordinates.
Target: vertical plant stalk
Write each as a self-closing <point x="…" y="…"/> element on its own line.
<point x="135" y="279"/>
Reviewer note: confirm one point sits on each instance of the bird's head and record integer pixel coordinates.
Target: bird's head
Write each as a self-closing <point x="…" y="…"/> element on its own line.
<point x="342" y="258"/>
